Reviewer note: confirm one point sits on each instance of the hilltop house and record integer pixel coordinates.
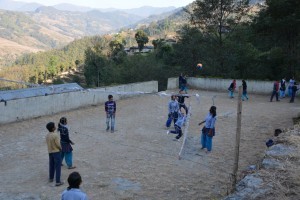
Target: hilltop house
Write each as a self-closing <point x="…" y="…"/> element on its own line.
<point x="134" y="49"/>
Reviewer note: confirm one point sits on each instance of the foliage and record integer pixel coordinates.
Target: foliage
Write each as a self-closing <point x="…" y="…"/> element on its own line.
<point x="141" y="39"/>
<point x="277" y="29"/>
<point x="217" y="19"/>
<point x="117" y="49"/>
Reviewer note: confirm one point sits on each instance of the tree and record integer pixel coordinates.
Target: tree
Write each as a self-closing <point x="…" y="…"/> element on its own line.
<point x="217" y="20"/>
<point x="117" y="49"/>
<point x="94" y="64"/>
<point x="277" y="30"/>
<point x="141" y="38"/>
<point x="52" y="67"/>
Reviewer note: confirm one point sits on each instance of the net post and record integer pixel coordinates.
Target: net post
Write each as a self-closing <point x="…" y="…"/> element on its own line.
<point x="237" y="140"/>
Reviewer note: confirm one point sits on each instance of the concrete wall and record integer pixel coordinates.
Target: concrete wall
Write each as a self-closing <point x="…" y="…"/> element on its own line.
<point x="26" y="108"/>
<point x="259" y="87"/>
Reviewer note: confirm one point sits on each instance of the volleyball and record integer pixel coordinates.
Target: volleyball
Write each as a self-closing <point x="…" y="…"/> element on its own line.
<point x="199" y="66"/>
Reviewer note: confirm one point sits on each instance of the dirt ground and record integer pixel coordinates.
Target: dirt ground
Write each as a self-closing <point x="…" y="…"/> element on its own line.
<point x="139" y="160"/>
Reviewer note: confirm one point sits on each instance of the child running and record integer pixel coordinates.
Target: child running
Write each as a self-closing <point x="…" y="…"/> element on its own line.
<point x="178" y="125"/>
<point x="73" y="192"/>
<point x="65" y="143"/>
<point x="54" y="149"/>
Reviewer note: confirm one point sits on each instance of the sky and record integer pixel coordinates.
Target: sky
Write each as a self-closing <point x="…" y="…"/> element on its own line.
<point x="120" y="4"/>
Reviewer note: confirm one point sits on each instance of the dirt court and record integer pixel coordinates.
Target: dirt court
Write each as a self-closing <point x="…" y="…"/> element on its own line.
<point x="139" y="160"/>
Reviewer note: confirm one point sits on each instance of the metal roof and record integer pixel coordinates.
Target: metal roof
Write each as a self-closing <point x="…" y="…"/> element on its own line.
<point x="39" y="91"/>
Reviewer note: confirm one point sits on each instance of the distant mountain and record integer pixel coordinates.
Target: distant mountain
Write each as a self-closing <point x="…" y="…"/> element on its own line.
<point x="22" y="6"/>
<point x="10" y="5"/>
<point x="156" y="18"/>
<point x="48" y="28"/>
<point x="72" y="8"/>
<point x="31" y="27"/>
<point x="146" y="11"/>
<point x="29" y="7"/>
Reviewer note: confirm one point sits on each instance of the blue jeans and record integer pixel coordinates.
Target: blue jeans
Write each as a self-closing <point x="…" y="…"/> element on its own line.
<point x="174" y="116"/>
<point x="177" y="131"/>
<point x="110" y="117"/>
<point x="231" y="94"/>
<point x="68" y="158"/>
<point x="55" y="166"/>
<point x="290" y="91"/>
<point x="244" y="95"/>
<point x="282" y="93"/>
<point x="206" y="141"/>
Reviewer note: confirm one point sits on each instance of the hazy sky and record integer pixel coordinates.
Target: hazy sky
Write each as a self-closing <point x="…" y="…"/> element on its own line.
<point x="115" y="3"/>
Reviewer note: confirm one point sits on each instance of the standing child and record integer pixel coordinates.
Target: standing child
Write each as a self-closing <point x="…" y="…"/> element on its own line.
<point x="180" y="80"/>
<point x="231" y="88"/>
<point x="54" y="149"/>
<point x="282" y="88"/>
<point x="110" y="109"/>
<point x="184" y="84"/>
<point x="173" y="109"/>
<point x="208" y="131"/>
<point x="291" y="84"/>
<point x="73" y="192"/>
<point x="178" y="125"/>
<point x="66" y="143"/>
<point x="275" y="91"/>
<point x="244" y="84"/>
<point x="294" y="90"/>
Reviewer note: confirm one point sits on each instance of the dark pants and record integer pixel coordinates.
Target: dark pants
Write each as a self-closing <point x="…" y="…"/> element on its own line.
<point x="55" y="166"/>
<point x="274" y="93"/>
<point x="174" y="116"/>
<point x="293" y="96"/>
<point x="177" y="131"/>
<point x="184" y="107"/>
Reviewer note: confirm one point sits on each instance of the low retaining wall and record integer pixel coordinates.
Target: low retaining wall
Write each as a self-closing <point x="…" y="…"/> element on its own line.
<point x="258" y="87"/>
<point x="26" y="108"/>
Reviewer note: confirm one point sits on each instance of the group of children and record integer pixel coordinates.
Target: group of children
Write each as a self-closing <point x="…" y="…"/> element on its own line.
<point x="176" y="115"/>
<point x="279" y="89"/>
<point x="232" y="88"/>
<point x="59" y="147"/>
<point x="179" y="118"/>
<point x="292" y="88"/>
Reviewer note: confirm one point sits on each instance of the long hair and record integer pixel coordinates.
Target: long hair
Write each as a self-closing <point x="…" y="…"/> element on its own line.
<point x="63" y="120"/>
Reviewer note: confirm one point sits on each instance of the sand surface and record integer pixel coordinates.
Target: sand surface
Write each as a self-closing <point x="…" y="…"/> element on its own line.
<point x="139" y="160"/>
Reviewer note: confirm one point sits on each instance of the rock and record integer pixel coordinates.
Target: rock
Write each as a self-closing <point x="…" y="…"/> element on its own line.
<point x="250" y="187"/>
<point x="270" y="163"/>
<point x="279" y="150"/>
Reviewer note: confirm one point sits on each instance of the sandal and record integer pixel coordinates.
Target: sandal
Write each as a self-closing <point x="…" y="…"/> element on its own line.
<point x="59" y="184"/>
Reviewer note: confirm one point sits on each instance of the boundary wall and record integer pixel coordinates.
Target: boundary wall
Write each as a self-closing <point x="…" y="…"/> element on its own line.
<point x="258" y="87"/>
<point x="27" y="108"/>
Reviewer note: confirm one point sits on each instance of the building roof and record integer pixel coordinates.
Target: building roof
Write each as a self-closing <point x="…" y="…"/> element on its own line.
<point x="39" y="91"/>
